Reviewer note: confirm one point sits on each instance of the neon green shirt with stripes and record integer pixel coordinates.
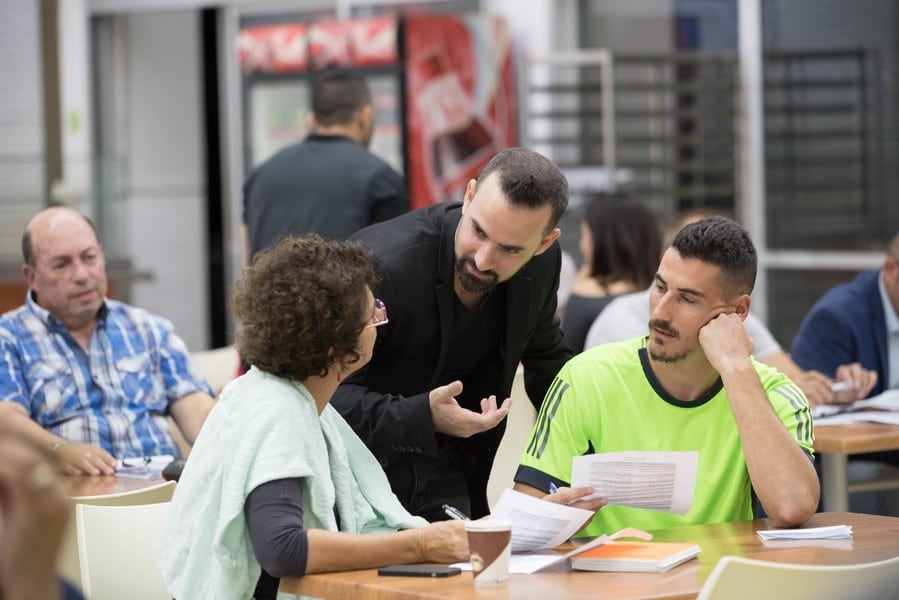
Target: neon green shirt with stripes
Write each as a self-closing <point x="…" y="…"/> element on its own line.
<point x="607" y="399"/>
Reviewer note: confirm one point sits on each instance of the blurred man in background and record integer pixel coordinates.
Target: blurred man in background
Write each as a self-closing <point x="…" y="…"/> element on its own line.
<point x="329" y="183"/>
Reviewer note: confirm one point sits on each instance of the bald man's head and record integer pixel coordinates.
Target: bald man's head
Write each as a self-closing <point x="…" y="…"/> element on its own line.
<point x="47" y="213"/>
<point x="64" y="266"/>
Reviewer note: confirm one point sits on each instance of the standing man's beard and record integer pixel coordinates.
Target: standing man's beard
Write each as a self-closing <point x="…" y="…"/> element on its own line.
<point x="469" y="282"/>
<point x="665" y="327"/>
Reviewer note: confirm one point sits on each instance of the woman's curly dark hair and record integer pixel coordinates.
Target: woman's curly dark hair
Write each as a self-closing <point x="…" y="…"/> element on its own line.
<point x="302" y="306"/>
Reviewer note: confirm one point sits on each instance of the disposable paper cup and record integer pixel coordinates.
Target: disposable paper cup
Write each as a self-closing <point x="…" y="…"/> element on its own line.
<point x="490" y="547"/>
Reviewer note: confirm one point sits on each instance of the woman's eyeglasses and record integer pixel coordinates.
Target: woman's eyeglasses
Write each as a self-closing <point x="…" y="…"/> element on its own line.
<point x="378" y="314"/>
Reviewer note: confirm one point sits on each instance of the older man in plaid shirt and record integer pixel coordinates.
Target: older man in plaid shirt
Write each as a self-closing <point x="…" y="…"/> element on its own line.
<point x="91" y="378"/>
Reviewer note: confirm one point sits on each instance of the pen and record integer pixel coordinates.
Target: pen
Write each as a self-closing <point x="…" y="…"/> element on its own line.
<point x="553" y="489"/>
<point x="841" y="386"/>
<point x="454" y="513"/>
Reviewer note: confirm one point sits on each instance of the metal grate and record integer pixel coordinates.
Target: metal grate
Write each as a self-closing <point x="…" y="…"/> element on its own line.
<point x="819" y="150"/>
<point x="665" y="123"/>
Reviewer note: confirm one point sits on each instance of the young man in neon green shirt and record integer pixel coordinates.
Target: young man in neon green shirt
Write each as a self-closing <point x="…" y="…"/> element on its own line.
<point x="691" y="384"/>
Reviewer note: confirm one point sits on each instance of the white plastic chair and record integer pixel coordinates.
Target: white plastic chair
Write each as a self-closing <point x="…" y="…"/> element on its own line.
<point x="738" y="578"/>
<point x="519" y="425"/>
<point x="68" y="563"/>
<point x="217" y="366"/>
<point x="117" y="549"/>
<point x="152" y="494"/>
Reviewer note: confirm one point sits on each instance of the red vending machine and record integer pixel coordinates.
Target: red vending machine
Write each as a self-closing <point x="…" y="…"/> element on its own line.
<point x="443" y="88"/>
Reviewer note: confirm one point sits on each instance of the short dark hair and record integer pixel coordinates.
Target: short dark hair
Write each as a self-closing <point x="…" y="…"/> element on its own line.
<point x="28" y="246"/>
<point x="302" y="305"/>
<point x="530" y="180"/>
<point x="676" y="221"/>
<point x="338" y="96"/>
<point x="626" y="240"/>
<point x="722" y="242"/>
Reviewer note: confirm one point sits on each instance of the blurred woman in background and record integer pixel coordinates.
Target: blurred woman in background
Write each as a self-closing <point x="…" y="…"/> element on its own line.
<point x="620" y="245"/>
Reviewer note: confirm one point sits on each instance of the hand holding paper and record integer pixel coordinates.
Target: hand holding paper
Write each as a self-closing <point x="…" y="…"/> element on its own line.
<point x="538" y="523"/>
<point x="661" y="481"/>
<point x="882" y="408"/>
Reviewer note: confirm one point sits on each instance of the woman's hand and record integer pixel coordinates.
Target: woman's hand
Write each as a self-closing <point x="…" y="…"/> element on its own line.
<point x="443" y="542"/>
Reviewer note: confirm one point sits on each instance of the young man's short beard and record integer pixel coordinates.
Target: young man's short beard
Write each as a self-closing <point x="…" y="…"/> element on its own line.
<point x="667" y="358"/>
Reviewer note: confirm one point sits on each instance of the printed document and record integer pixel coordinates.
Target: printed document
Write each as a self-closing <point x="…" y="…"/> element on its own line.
<point x="536" y="523"/>
<point x="808" y="533"/>
<point x="662" y="481"/>
<point x="882" y="408"/>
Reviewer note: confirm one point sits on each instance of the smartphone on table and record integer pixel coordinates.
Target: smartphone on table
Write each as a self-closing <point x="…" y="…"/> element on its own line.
<point x="419" y="570"/>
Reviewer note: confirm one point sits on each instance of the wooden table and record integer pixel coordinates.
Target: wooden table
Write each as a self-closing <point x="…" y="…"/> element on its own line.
<point x="874" y="538"/>
<point x="835" y="443"/>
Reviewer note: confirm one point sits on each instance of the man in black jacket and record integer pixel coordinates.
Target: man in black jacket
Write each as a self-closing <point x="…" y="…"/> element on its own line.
<point x="329" y="183"/>
<point x="470" y="292"/>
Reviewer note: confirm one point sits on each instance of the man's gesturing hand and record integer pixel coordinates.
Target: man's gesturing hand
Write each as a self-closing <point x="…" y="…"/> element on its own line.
<point x="451" y="419"/>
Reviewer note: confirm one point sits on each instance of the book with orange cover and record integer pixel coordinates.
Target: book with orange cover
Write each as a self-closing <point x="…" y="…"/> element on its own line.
<point x="650" y="557"/>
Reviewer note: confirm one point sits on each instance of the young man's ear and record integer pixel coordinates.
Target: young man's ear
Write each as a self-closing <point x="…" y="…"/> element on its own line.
<point x="741" y="308"/>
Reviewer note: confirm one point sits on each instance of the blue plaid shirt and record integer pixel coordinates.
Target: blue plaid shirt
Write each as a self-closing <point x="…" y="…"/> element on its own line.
<point x="116" y="394"/>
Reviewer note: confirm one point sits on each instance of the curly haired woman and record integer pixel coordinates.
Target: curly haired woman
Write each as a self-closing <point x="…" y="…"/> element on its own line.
<point x="277" y="483"/>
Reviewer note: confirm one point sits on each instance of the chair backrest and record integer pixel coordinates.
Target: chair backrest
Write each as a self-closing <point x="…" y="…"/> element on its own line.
<point x="738" y="578"/>
<point x="217" y="366"/>
<point x="117" y="548"/>
<point x="519" y="424"/>
<point x="68" y="564"/>
<point x="160" y="492"/>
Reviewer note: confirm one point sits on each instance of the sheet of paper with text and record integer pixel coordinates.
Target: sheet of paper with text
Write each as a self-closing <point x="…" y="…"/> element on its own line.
<point x="662" y="481"/>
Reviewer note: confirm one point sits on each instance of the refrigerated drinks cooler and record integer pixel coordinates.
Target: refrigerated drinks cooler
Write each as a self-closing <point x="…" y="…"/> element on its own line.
<point x="443" y="89"/>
